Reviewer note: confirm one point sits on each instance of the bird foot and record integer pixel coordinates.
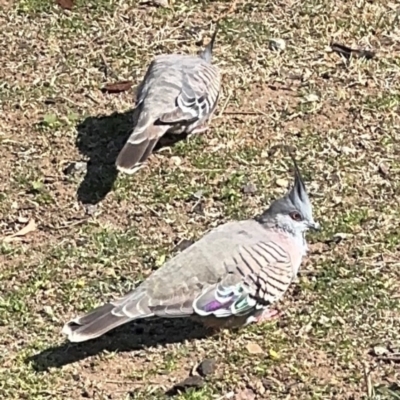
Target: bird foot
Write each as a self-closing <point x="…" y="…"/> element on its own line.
<point x="268" y="315"/>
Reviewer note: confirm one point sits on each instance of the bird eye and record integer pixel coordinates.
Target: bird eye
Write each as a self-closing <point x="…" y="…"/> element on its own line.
<point x="296" y="216"/>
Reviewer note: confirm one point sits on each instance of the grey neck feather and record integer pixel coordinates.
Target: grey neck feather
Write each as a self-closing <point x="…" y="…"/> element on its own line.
<point x="270" y="222"/>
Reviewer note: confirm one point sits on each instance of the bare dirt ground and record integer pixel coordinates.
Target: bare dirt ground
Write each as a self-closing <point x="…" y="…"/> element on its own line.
<point x="97" y="234"/>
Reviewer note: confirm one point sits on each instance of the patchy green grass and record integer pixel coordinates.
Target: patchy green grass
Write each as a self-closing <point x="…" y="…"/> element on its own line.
<point x="99" y="233"/>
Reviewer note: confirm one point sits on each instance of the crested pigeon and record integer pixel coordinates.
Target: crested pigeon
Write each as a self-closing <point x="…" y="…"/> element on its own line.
<point x="178" y="94"/>
<point x="227" y="279"/>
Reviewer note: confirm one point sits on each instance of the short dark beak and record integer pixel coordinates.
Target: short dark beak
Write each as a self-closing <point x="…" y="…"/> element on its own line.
<point x="315" y="226"/>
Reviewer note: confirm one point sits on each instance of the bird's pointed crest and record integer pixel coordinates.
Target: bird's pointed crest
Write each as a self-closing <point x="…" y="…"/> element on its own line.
<point x="298" y="192"/>
<point x="206" y="54"/>
<point x="296" y="199"/>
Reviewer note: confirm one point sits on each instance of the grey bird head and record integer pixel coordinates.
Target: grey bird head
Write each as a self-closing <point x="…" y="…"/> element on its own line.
<point x="206" y="54"/>
<point x="293" y="211"/>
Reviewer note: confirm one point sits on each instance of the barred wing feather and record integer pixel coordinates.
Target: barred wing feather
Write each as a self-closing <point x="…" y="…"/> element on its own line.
<point x="259" y="275"/>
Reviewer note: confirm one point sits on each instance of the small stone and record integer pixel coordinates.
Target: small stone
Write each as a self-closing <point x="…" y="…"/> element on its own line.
<point x="311" y="98"/>
<point x="76" y="168"/>
<point x="282" y="182"/>
<point x="380" y="350"/>
<point x="323" y="320"/>
<point x="197" y="195"/>
<point x="207" y="367"/>
<point x="249" y="188"/>
<point x="70" y="169"/>
<point x="194" y="381"/>
<point x="338" y="237"/>
<point x="183" y="245"/>
<point x="22" y="220"/>
<point x="337" y="200"/>
<point x="265" y="154"/>
<point x="161" y="3"/>
<point x="384" y="170"/>
<point x="277" y="44"/>
<point x="254" y="348"/>
<point x="76" y="377"/>
<point x="48" y="311"/>
<point x="90" y="209"/>
<point x="176" y="160"/>
<point x="347" y="150"/>
<point x="198" y="208"/>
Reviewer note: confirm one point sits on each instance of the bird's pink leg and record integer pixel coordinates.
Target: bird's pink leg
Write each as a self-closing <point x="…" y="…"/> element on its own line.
<point x="268" y="315"/>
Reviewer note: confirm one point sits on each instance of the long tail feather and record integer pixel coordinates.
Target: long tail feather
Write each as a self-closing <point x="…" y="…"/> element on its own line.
<point x="132" y="156"/>
<point x="135" y="153"/>
<point x="101" y="320"/>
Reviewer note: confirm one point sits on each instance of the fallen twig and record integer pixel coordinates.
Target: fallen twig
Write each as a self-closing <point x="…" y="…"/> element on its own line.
<point x="348" y="52"/>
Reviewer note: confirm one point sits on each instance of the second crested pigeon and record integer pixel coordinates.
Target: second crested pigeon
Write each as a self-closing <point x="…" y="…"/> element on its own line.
<point x="178" y="95"/>
<point x="229" y="278"/>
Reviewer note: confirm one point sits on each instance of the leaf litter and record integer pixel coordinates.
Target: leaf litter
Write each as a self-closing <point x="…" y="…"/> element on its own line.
<point x="28" y="228"/>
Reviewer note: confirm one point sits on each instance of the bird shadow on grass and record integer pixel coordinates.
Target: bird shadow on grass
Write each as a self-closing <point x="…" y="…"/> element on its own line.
<point x="101" y="139"/>
<point x="130" y="337"/>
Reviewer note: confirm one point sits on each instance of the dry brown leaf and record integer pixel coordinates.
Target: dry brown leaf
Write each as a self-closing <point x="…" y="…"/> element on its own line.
<point x="66" y="4"/>
<point x="117" y="87"/>
<point x="30" y="227"/>
<point x="254" y="348"/>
